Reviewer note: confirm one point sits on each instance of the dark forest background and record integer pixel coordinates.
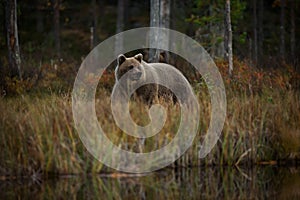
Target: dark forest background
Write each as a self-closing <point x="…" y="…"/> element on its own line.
<point x="60" y="33"/>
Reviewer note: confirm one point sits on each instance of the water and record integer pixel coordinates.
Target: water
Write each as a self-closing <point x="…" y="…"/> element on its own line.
<point x="189" y="183"/>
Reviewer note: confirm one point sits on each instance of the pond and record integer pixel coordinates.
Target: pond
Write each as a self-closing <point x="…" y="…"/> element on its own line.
<point x="185" y="183"/>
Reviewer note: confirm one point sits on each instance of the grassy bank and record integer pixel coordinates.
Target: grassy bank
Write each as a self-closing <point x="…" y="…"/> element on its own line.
<point x="37" y="134"/>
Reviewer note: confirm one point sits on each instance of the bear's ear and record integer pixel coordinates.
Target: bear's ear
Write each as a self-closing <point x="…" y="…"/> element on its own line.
<point x="121" y="59"/>
<point x="139" y="57"/>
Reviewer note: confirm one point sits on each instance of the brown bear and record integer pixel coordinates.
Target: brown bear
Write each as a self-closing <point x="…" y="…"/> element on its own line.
<point x="139" y="70"/>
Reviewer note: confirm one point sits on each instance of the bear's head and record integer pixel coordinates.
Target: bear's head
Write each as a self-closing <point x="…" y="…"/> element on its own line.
<point x="132" y="65"/>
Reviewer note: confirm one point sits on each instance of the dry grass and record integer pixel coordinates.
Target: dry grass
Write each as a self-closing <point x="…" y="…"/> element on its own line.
<point x="38" y="135"/>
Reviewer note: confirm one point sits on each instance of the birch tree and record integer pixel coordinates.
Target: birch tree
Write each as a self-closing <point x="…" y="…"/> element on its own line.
<point x="154" y="22"/>
<point x="228" y="37"/>
<point x="12" y="38"/>
<point x="94" y="24"/>
<point x="165" y="23"/>
<point x="159" y="17"/>
<point x="120" y="27"/>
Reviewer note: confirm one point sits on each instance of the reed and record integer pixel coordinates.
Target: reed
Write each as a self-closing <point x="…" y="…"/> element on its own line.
<point x="38" y="134"/>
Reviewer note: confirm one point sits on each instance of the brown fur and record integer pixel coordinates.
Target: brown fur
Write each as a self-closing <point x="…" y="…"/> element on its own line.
<point x="147" y="93"/>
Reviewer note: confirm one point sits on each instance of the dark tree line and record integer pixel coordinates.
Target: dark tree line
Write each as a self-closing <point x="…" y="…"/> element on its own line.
<point x="263" y="31"/>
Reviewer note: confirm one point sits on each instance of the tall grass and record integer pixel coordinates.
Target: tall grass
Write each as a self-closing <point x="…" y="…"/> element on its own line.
<point x="37" y="134"/>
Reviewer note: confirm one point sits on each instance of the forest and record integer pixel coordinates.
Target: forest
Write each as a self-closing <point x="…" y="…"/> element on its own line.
<point x="263" y="33"/>
<point x="254" y="45"/>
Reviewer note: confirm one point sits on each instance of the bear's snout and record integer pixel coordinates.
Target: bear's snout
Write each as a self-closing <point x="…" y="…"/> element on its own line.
<point x="136" y="76"/>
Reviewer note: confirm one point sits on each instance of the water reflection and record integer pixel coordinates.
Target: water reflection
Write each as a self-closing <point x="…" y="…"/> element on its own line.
<point x="195" y="183"/>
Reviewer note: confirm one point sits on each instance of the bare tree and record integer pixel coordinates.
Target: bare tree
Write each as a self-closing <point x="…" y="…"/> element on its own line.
<point x="12" y="38"/>
<point x="216" y="30"/>
<point x="165" y="6"/>
<point x="260" y="30"/>
<point x="120" y="27"/>
<point x="39" y="19"/>
<point x="282" y="31"/>
<point x="56" y="21"/>
<point x="164" y="19"/>
<point x="94" y="24"/>
<point x="159" y="17"/>
<point x="154" y="22"/>
<point x="255" y="32"/>
<point x="293" y="28"/>
<point x="228" y="37"/>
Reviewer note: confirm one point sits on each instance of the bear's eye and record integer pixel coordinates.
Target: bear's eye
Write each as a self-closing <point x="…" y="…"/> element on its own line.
<point x="130" y="67"/>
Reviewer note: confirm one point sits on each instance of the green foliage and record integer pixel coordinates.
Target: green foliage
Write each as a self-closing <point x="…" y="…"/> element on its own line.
<point x="242" y="38"/>
<point x="212" y="11"/>
<point x="209" y="18"/>
<point x="238" y="8"/>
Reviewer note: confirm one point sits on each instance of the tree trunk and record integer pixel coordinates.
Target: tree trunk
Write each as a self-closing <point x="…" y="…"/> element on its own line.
<point x="154" y="22"/>
<point x="216" y="30"/>
<point x="56" y="21"/>
<point x="165" y="23"/>
<point x="120" y="27"/>
<point x="159" y="17"/>
<point x="282" y="31"/>
<point x="293" y="28"/>
<point x="260" y="31"/>
<point x="228" y="36"/>
<point x="39" y="20"/>
<point x="212" y="31"/>
<point x="14" y="57"/>
<point x="94" y="39"/>
<point x="250" y="50"/>
<point x="255" y="32"/>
